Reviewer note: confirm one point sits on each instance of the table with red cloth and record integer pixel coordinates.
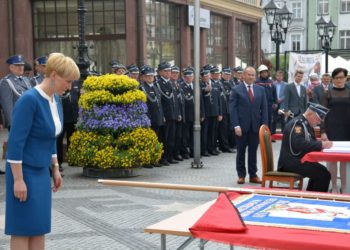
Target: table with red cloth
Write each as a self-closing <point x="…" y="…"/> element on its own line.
<point x="220" y="221"/>
<point x="330" y="157"/>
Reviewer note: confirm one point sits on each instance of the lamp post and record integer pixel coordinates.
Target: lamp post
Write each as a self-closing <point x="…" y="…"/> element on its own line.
<point x="278" y="21"/>
<point x="83" y="61"/>
<point x="325" y="32"/>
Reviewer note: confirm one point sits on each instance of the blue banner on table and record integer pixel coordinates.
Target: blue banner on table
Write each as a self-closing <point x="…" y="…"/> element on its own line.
<point x="300" y="213"/>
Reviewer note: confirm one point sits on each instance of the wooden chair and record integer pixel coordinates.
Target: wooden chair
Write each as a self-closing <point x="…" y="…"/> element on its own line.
<point x="268" y="172"/>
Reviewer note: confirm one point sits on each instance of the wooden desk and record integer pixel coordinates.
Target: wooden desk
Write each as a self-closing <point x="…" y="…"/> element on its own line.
<point x="330" y="157"/>
<point x="179" y="225"/>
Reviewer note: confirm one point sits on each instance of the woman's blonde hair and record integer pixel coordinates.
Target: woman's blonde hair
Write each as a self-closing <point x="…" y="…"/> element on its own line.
<point x="63" y="65"/>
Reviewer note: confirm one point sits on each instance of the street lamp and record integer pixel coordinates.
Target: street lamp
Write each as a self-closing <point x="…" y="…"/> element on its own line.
<point x="326" y="32"/>
<point x="278" y="21"/>
<point x="84" y="60"/>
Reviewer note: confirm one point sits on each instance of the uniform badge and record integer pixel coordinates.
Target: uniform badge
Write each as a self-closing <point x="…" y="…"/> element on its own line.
<point x="167" y="93"/>
<point x="297" y="129"/>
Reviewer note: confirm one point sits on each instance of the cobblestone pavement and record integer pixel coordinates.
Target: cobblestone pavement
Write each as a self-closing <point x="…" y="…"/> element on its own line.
<point x="87" y="215"/>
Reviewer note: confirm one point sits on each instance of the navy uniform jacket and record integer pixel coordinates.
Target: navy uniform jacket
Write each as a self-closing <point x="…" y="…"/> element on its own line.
<point x="11" y="88"/>
<point x="169" y="100"/>
<point x="180" y="98"/>
<point x="70" y="103"/>
<point x="154" y="104"/>
<point x="248" y="116"/>
<point x="270" y="90"/>
<point x="188" y="95"/>
<point x="36" y="80"/>
<point x="298" y="140"/>
<point x="32" y="137"/>
<point x="212" y="101"/>
<point x="226" y="87"/>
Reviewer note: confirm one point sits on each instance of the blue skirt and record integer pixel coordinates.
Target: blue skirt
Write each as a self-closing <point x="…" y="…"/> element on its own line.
<point x="32" y="217"/>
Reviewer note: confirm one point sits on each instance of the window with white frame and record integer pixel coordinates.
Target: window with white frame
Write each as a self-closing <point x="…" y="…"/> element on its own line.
<point x="345" y="6"/>
<point x="296" y="42"/>
<point x="322" y="7"/>
<point x="344" y="36"/>
<point x="296" y="9"/>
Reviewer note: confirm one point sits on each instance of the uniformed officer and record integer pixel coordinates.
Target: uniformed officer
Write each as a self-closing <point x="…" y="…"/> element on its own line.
<point x="270" y="90"/>
<point x="70" y="106"/>
<point x="13" y="86"/>
<point x="213" y="108"/>
<point x="133" y="71"/>
<point x="298" y="140"/>
<point x="40" y="66"/>
<point x="174" y="80"/>
<point x="238" y="75"/>
<point x="225" y="133"/>
<point x="170" y="109"/>
<point x="154" y="103"/>
<point x="118" y="68"/>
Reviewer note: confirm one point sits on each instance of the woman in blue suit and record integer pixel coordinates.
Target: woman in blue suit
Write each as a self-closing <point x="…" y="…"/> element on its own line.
<point x="37" y="120"/>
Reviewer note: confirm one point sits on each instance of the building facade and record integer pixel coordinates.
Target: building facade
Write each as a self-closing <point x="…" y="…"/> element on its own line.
<point x="132" y="31"/>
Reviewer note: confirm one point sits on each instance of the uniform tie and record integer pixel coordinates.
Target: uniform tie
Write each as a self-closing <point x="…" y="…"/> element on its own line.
<point x="250" y="94"/>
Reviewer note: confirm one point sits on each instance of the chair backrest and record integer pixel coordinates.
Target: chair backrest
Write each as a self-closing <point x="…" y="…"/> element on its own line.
<point x="266" y="149"/>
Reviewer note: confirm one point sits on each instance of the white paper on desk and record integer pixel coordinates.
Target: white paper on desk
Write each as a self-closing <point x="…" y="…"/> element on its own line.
<point x="339" y="147"/>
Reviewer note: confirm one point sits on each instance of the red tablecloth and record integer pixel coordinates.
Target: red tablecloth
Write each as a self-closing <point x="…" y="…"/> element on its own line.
<point x="230" y="231"/>
<point x="323" y="156"/>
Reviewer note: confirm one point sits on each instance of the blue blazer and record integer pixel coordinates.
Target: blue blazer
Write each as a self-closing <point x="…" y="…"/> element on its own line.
<point x="32" y="137"/>
<point x="249" y="116"/>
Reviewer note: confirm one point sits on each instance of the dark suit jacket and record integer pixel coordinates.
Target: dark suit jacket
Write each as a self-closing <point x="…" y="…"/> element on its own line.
<point x="249" y="116"/>
<point x="292" y="101"/>
<point x="318" y="93"/>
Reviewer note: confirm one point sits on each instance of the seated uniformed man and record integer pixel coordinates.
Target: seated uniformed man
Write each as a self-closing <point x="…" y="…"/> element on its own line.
<point x="298" y="140"/>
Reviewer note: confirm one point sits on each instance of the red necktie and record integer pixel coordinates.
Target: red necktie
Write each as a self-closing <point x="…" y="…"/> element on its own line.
<point x="250" y="94"/>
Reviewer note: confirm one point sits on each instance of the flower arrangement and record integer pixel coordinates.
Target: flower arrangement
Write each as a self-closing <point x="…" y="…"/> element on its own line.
<point x="113" y="127"/>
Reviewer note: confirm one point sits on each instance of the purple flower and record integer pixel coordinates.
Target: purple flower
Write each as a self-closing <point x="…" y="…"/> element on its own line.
<point x="111" y="118"/>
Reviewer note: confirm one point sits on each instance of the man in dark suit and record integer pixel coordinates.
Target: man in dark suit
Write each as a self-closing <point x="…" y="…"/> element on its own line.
<point x="295" y="97"/>
<point x="321" y="89"/>
<point x="248" y="108"/>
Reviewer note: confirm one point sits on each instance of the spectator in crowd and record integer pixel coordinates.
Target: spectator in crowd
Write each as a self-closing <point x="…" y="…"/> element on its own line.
<point x="320" y="90"/>
<point x="299" y="139"/>
<point x="313" y="83"/>
<point x="295" y="97"/>
<point x="248" y="107"/>
<point x="277" y="117"/>
<point x="337" y="123"/>
<point x="37" y="120"/>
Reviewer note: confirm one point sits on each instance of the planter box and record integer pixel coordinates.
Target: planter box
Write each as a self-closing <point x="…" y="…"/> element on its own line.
<point x="111" y="173"/>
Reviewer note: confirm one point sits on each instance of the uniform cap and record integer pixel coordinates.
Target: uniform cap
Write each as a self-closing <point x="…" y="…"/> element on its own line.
<point x="148" y="71"/>
<point x="175" y="69"/>
<point x="133" y="69"/>
<point x="320" y="110"/>
<point x="238" y="69"/>
<point x="16" y="60"/>
<point x="164" y="66"/>
<point x="227" y="71"/>
<point x="204" y="72"/>
<point x="215" y="70"/>
<point x="188" y="71"/>
<point x="42" y="60"/>
<point x="263" y="67"/>
<point x="117" y="65"/>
